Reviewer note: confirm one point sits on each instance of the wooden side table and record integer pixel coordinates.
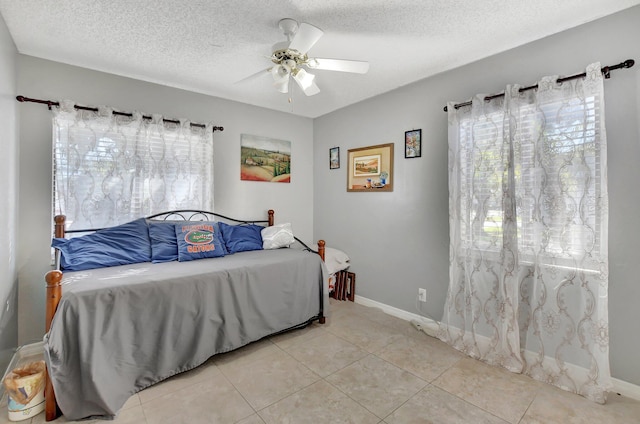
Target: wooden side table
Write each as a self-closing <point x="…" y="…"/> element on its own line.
<point x="345" y="286"/>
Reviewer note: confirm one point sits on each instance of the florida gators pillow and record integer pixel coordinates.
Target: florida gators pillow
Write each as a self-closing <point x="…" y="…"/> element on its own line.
<point x="199" y="240"/>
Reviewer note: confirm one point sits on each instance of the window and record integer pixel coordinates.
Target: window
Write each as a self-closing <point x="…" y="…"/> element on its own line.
<point x="109" y="169"/>
<point x="555" y="151"/>
<point x="482" y="169"/>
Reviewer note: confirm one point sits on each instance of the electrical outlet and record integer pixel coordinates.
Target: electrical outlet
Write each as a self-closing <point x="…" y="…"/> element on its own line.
<point x="422" y="295"/>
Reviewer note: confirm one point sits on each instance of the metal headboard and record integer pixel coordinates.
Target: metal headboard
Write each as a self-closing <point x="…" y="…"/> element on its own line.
<point x="184" y="215"/>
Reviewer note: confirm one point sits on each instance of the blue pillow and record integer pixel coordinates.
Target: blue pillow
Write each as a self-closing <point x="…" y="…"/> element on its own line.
<point x="121" y="245"/>
<point x="241" y="238"/>
<point x="198" y="240"/>
<point x="164" y="247"/>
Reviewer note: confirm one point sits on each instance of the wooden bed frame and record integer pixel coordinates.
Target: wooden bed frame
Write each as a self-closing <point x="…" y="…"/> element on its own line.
<point x="53" y="281"/>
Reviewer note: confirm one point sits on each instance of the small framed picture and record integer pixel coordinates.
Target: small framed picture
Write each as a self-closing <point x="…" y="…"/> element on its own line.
<point x="413" y="144"/>
<point x="334" y="158"/>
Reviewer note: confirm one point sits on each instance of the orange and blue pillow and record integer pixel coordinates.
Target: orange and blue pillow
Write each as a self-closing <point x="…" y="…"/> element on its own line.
<point x="198" y="240"/>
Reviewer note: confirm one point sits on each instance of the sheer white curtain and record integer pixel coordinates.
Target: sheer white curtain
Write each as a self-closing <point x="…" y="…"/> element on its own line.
<point x="110" y="169"/>
<point x="528" y="228"/>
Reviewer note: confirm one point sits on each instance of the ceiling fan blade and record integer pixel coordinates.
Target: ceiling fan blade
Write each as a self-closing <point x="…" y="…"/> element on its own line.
<point x="254" y="76"/>
<point x="355" y="66"/>
<point x="305" y="38"/>
<point x="306" y="82"/>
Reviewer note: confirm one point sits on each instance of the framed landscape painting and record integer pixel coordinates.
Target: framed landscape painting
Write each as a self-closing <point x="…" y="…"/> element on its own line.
<point x="370" y="168"/>
<point x="366" y="166"/>
<point x="264" y="159"/>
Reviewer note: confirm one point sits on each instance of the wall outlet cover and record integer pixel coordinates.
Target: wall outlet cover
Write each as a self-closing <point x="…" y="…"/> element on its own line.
<point x="422" y="295"/>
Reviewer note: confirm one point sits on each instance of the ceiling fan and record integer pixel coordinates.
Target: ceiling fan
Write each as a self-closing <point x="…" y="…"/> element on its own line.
<point x="290" y="59"/>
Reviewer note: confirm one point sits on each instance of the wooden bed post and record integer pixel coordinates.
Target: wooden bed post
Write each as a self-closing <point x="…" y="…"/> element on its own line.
<point x="54" y="293"/>
<point x="321" y="245"/>
<point x="271" y="212"/>
<point x="59" y="225"/>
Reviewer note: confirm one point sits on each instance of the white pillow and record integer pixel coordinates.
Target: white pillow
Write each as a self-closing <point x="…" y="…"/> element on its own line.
<point x="335" y="260"/>
<point x="277" y="236"/>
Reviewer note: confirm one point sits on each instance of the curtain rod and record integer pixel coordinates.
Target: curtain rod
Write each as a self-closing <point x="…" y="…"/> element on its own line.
<point x="605" y="70"/>
<point x="50" y="103"/>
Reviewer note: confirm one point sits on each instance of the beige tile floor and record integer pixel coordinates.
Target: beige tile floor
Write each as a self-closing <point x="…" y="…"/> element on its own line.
<point x="363" y="366"/>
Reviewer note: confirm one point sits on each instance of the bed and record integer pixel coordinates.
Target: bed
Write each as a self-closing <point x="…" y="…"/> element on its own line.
<point x="113" y="331"/>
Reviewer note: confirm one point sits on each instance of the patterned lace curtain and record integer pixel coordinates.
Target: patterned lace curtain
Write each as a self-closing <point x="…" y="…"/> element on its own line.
<point x="528" y="210"/>
<point x="110" y="169"/>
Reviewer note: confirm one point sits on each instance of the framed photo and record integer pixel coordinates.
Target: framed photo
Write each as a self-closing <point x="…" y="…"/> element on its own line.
<point x="413" y="144"/>
<point x="334" y="158"/>
<point x="370" y="168"/>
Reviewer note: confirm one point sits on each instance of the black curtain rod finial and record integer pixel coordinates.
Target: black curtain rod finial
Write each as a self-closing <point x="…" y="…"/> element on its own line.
<point x="49" y="103"/>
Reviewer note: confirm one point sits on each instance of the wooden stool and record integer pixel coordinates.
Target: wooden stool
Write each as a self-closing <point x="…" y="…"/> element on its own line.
<point x="345" y="286"/>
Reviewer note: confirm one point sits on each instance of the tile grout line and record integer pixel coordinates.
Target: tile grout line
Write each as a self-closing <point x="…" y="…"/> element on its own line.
<point x="406" y="401"/>
<point x="239" y="392"/>
<point x="535" y="396"/>
<point x="352" y="399"/>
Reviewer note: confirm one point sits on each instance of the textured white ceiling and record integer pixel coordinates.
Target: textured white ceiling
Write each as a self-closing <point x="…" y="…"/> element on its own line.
<point x="207" y="46"/>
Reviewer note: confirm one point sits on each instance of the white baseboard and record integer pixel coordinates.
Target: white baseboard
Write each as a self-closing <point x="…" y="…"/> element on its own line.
<point x="622" y="387"/>
<point x="398" y="313"/>
<point x="626" y="389"/>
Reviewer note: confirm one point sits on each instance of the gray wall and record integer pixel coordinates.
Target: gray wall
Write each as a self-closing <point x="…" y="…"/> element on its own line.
<point x="245" y="199"/>
<point x="9" y="196"/>
<point x="399" y="241"/>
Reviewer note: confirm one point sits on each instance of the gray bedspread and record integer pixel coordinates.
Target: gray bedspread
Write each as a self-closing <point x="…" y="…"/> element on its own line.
<point x="118" y="330"/>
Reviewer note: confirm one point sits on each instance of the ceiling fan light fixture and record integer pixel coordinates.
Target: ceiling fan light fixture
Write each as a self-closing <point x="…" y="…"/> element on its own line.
<point x="306" y="82"/>
<point x="282" y="85"/>
<point x="280" y="73"/>
<point x="304" y="78"/>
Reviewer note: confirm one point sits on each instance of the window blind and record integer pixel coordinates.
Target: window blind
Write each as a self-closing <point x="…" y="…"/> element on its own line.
<point x="110" y="169"/>
<point x="557" y="165"/>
